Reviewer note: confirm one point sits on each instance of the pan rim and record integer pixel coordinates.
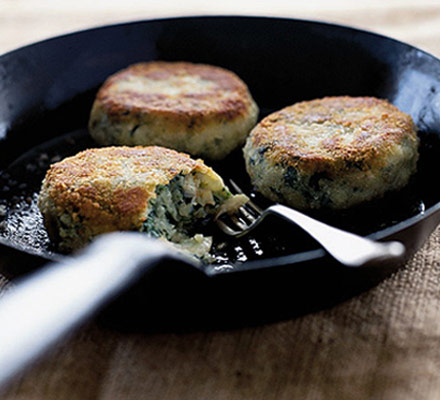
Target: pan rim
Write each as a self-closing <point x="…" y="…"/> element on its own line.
<point x="127" y="23"/>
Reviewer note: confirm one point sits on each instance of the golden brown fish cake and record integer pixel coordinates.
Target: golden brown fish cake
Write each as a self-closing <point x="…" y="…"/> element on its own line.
<point x="149" y="189"/>
<point x="333" y="152"/>
<point x="195" y="108"/>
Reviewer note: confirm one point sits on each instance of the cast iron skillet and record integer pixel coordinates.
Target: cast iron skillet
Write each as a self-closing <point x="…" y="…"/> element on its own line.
<point x="46" y="92"/>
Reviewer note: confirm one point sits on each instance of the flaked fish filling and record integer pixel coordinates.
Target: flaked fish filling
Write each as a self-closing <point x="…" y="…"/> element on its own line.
<point x="183" y="207"/>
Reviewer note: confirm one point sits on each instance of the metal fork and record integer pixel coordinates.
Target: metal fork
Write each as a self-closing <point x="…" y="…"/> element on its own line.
<point x="349" y="249"/>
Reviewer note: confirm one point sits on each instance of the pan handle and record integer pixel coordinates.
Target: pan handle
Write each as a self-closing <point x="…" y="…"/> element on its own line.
<point x="44" y="307"/>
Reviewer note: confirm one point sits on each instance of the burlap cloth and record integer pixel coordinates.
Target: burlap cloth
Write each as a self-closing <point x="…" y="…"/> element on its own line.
<point x="381" y="344"/>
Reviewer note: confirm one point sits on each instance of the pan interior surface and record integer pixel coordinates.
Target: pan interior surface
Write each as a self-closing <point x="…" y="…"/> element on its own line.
<point x="48" y="89"/>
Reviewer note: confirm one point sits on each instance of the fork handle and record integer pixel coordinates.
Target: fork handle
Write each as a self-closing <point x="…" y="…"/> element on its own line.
<point x="347" y="248"/>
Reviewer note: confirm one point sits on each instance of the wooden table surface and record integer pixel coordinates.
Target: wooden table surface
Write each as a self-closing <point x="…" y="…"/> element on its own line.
<point x="26" y="21"/>
<point x="383" y="344"/>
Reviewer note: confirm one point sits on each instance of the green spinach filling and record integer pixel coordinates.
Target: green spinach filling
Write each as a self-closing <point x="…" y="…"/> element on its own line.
<point x="180" y="207"/>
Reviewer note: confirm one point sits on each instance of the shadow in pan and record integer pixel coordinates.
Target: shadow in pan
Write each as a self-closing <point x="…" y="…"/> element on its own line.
<point x="175" y="298"/>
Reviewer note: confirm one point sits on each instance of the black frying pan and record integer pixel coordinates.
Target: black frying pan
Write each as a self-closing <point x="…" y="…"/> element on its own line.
<point x="46" y="92"/>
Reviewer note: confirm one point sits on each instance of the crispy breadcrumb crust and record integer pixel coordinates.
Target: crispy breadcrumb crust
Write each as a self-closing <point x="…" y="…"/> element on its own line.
<point x="372" y="126"/>
<point x="108" y="189"/>
<point x="356" y="143"/>
<point x="186" y="106"/>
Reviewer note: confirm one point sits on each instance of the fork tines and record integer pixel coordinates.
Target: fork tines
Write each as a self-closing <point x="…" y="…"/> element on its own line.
<point x="243" y="219"/>
<point x="257" y="210"/>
